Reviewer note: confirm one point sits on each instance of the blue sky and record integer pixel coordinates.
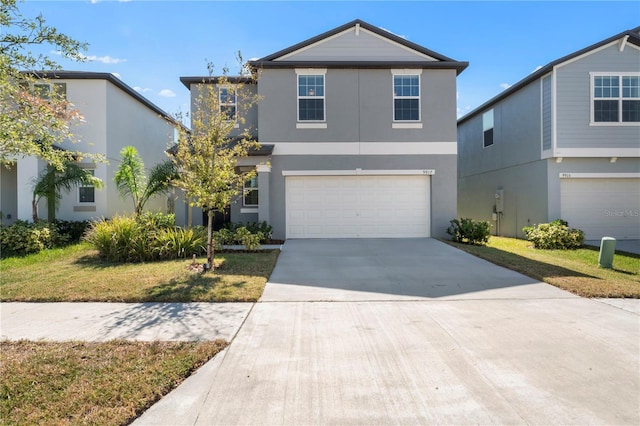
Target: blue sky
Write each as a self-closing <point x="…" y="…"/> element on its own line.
<point x="151" y="44"/>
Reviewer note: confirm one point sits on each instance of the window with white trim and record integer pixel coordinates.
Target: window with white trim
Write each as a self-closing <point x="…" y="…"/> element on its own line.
<point x="250" y="192"/>
<point x="311" y="100"/>
<point x="615" y="98"/>
<point x="487" y="128"/>
<point x="228" y="103"/>
<point x="86" y="193"/>
<point x="406" y="97"/>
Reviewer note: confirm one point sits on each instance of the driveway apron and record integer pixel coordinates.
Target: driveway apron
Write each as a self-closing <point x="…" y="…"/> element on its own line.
<point x="413" y="331"/>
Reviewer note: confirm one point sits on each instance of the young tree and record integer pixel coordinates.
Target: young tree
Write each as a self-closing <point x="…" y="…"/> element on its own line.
<point x="29" y="124"/>
<point x="207" y="156"/>
<point x="132" y="182"/>
<point x="51" y="182"/>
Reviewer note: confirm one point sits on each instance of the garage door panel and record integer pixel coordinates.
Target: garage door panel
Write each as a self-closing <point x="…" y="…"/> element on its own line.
<point x="357" y="206"/>
<point x="602" y="206"/>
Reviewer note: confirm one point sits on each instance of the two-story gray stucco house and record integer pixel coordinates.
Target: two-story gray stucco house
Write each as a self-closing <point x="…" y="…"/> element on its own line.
<point x="358" y="135"/>
<point x="564" y="142"/>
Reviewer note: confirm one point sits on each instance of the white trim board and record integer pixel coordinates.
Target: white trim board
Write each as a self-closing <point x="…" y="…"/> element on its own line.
<point x="366" y="148"/>
<point x="569" y="175"/>
<point x="596" y="152"/>
<point x="359" y="172"/>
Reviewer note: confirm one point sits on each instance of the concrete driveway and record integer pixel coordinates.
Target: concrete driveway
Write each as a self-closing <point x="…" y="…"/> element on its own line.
<point x="414" y="332"/>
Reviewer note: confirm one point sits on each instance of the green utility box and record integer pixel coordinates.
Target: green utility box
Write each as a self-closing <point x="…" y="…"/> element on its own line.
<point x="607" y="250"/>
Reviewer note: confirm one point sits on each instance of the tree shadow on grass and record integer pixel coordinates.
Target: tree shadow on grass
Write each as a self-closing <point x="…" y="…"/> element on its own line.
<point x="196" y="287"/>
<point x="524" y="265"/>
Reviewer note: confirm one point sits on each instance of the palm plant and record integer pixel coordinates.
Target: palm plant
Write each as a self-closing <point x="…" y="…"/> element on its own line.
<point x="51" y="182"/>
<point x="131" y="181"/>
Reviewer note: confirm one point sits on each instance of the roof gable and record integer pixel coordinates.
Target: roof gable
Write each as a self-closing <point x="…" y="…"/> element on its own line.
<point x="629" y="37"/>
<point x="358" y="43"/>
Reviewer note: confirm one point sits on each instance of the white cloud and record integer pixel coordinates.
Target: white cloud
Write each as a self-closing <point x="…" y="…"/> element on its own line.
<point x="104" y="59"/>
<point x="94" y="58"/>
<point x="505" y="85"/>
<point x="536" y="69"/>
<point x="142" y="90"/>
<point x="115" y="74"/>
<point x="462" y="111"/>
<point x="395" y="34"/>
<point x="167" y="93"/>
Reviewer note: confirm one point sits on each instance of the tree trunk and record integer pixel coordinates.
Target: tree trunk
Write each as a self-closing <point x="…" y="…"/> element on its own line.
<point x="34" y="210"/>
<point x="210" y="246"/>
<point x="51" y="195"/>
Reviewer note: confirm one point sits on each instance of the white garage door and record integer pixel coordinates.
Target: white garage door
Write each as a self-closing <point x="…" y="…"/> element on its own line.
<point x="357" y="206"/>
<point x="602" y="207"/>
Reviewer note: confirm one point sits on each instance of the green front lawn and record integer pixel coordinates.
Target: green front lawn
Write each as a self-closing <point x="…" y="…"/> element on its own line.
<point x="112" y="383"/>
<point x="574" y="270"/>
<point x="76" y="274"/>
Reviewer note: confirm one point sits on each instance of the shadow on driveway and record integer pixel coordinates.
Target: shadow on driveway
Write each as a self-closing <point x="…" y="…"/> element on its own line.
<point x="380" y="269"/>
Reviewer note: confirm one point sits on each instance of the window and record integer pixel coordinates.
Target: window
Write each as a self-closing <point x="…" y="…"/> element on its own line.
<point x="311" y="97"/>
<point x="45" y="90"/>
<point x="487" y="128"/>
<point x="615" y="98"/>
<point x="251" y="192"/>
<point x="406" y="97"/>
<point x="86" y="193"/>
<point x="228" y="103"/>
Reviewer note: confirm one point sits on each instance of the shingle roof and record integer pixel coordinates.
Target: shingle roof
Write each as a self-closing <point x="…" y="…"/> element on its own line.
<point x="632" y="35"/>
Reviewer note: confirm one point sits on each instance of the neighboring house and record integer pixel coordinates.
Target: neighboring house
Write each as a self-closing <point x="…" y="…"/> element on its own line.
<point x="358" y="135"/>
<point x="564" y="142"/>
<point x="115" y="115"/>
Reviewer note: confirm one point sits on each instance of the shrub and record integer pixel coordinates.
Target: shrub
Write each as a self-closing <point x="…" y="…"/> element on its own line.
<point x="249" y="240"/>
<point x="120" y="239"/>
<point x="73" y="229"/>
<point x="157" y="220"/>
<point x="469" y="231"/>
<point x="24" y="238"/>
<point x="554" y="235"/>
<point x="253" y="227"/>
<point x="179" y="242"/>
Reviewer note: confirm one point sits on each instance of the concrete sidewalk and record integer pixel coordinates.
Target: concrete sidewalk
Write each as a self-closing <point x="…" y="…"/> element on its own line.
<point x="132" y="321"/>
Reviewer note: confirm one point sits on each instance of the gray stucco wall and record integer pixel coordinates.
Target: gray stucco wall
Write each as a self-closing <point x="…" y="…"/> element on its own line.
<point x="443" y="182"/>
<point x="574" y="104"/>
<point x="8" y="194"/>
<point x="359" y="107"/>
<point x="516" y="135"/>
<point x="525" y="197"/>
<point x="247" y="108"/>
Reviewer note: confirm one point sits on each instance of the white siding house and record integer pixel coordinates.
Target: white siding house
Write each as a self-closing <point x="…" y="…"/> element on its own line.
<point x="115" y="116"/>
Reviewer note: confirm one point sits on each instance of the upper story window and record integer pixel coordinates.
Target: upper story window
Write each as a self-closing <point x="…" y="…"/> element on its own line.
<point x="487" y="128"/>
<point x="228" y="103"/>
<point x="311" y="100"/>
<point x="615" y="98"/>
<point x="406" y="97"/>
<point x="48" y="90"/>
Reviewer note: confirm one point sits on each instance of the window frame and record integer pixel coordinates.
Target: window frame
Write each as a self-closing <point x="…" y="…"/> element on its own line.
<point x="81" y="187"/>
<point x="620" y="98"/>
<point x="486" y="128"/>
<point x="234" y="104"/>
<point x="247" y="190"/>
<point x="52" y="89"/>
<point x="406" y="73"/>
<point x="320" y="72"/>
